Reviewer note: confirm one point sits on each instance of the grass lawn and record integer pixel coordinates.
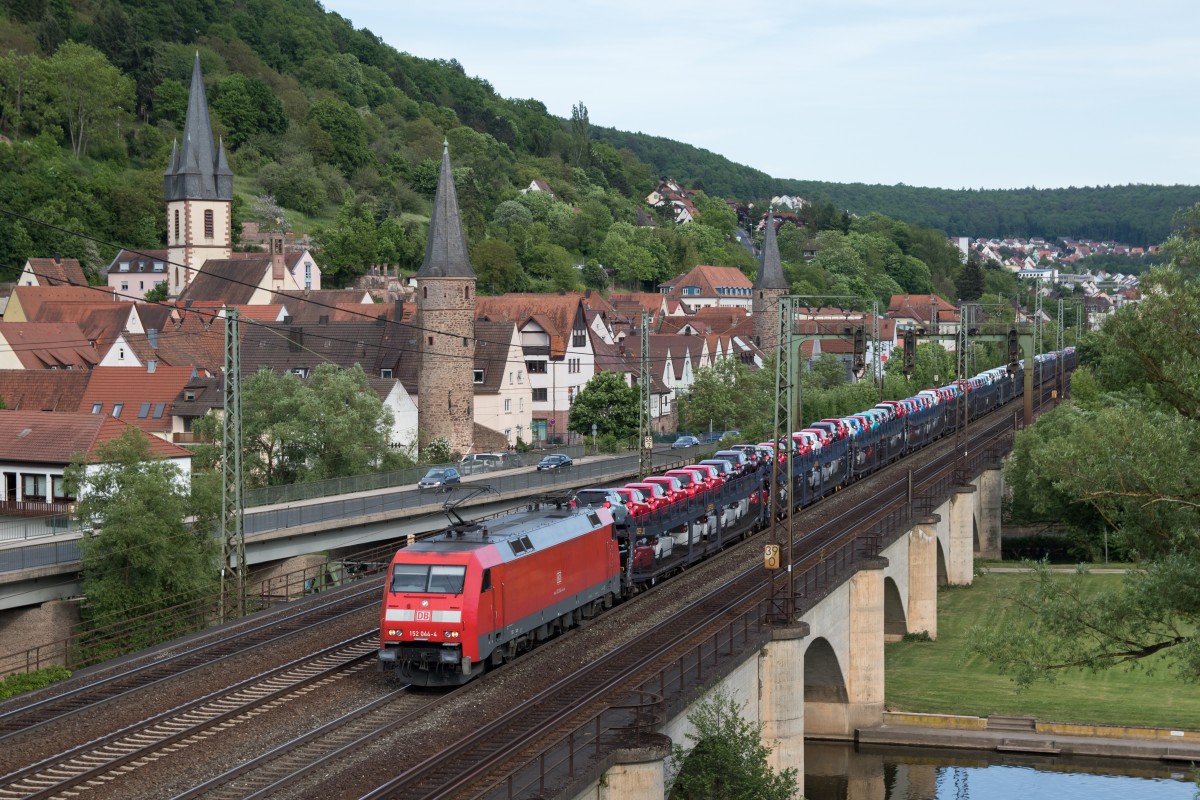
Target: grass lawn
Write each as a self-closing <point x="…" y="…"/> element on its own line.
<point x="940" y="677"/>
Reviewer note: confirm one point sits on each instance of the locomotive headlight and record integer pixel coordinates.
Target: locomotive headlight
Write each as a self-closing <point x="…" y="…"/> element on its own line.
<point x="450" y="634"/>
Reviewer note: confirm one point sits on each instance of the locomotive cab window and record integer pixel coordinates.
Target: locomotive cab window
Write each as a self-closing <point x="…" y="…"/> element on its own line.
<point x="486" y="583"/>
<point x="427" y="579"/>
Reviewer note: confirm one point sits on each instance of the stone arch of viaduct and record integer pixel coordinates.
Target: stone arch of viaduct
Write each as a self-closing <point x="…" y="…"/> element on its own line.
<point x="824" y="676"/>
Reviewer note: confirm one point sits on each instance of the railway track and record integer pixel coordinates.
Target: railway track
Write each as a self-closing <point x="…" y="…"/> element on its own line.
<point x="98" y="763"/>
<point x="24" y="719"/>
<point x="489" y="762"/>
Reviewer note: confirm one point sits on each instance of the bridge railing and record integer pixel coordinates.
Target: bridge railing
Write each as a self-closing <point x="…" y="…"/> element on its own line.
<point x="586" y="471"/>
<point x="329" y="487"/>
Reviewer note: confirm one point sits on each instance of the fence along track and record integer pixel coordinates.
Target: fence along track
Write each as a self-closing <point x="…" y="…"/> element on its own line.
<point x="94" y="764"/>
<point x="25" y="718"/>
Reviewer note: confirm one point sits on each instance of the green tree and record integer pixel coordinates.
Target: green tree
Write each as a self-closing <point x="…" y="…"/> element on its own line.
<point x="727" y="759"/>
<point x="338" y="135"/>
<point x="971" y="284"/>
<point x="247" y="107"/>
<point x="86" y="94"/>
<point x="1117" y="461"/>
<point x="138" y="554"/>
<point x="496" y="266"/>
<point x="607" y="402"/>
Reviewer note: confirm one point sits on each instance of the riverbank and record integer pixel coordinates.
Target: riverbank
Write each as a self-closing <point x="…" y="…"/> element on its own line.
<point x="943" y="677"/>
<point x="1026" y="735"/>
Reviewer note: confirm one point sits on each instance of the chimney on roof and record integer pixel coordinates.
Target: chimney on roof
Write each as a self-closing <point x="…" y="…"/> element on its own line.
<point x="277" y="266"/>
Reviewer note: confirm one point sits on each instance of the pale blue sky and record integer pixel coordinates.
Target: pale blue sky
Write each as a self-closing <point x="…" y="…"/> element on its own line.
<point x="950" y="93"/>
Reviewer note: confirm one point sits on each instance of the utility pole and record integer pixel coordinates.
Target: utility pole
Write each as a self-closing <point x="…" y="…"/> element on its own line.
<point x="233" y="540"/>
<point x="962" y="468"/>
<point x="782" y="605"/>
<point x="645" y="437"/>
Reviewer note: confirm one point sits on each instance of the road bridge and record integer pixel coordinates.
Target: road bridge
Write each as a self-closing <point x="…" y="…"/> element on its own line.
<point x="39" y="562"/>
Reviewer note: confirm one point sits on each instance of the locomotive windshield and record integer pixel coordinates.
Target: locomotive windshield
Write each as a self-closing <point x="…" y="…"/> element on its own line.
<point x="429" y="579"/>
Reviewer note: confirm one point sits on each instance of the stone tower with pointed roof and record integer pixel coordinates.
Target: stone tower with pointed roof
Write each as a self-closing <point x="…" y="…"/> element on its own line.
<point x="198" y="186"/>
<point x="446" y="324"/>
<point x="769" y="286"/>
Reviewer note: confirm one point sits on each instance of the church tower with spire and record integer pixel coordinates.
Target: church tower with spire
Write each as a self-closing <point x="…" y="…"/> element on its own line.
<point x="198" y="186"/>
<point x="445" y="323"/>
<point x="769" y="286"/>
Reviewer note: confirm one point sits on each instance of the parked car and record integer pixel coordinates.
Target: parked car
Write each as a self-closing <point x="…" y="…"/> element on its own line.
<point x="685" y="441"/>
<point x="605" y="498"/>
<point x="440" y="478"/>
<point x="555" y="461"/>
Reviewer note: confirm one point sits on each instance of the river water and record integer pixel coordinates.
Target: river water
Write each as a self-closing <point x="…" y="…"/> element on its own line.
<point x="842" y="772"/>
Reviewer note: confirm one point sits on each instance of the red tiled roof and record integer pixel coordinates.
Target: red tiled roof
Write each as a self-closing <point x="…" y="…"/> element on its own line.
<point x="50" y="345"/>
<point x="43" y="389"/>
<point x="709" y="278"/>
<point x="32" y="297"/>
<point x="58" y="271"/>
<point x="43" y="437"/>
<point x="144" y="396"/>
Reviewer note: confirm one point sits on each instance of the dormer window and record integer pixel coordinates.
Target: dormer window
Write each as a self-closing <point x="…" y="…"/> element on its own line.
<point x="123" y="266"/>
<point x="479" y="376"/>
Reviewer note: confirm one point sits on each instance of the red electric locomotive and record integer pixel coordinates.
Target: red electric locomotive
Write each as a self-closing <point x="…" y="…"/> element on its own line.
<point x="482" y="593"/>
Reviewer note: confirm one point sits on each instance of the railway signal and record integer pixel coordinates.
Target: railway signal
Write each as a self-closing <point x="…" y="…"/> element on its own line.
<point x="860" y="350"/>
<point x="1014" y="351"/>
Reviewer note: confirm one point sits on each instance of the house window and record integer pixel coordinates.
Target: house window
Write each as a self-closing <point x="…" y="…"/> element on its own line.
<point x="308" y="277"/>
<point x="479" y="376"/>
<point x="425" y="292"/>
<point x="57" y="486"/>
<point x="159" y="408"/>
<point x="573" y="365"/>
<point x="35" y="486"/>
<point x="578" y="339"/>
<point x="142" y="285"/>
<point x="144" y="411"/>
<point x="159" y="266"/>
<point x="189" y="394"/>
<point x="124" y="286"/>
<point x="510" y="378"/>
<point x="570" y="394"/>
<point x="124" y="267"/>
<point x="539" y="395"/>
<point x="117" y="408"/>
<point x="299" y="372"/>
<point x="385" y="373"/>
<point x="464" y="341"/>
<point x="431" y="341"/>
<point x="177" y="225"/>
<point x="538" y="367"/>
<point x="520" y="404"/>
<point x="520" y="376"/>
<point x="208" y="224"/>
<point x="97" y="407"/>
<point x="508" y="406"/>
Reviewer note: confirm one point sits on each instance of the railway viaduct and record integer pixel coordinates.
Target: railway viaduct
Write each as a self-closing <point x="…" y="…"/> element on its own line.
<point x="822" y="674"/>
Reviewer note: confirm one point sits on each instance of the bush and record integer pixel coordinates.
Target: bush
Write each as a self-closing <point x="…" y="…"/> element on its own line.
<point x="28" y="681"/>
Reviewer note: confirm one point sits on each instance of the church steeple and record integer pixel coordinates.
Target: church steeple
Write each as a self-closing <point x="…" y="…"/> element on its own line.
<point x="198" y="170"/>
<point x="769" y="286"/>
<point x="770" y="269"/>
<point x="446" y="246"/>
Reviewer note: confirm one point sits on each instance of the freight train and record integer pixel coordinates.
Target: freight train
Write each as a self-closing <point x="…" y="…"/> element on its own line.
<point x="479" y="594"/>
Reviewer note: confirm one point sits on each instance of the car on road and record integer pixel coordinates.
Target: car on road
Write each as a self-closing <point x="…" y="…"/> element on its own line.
<point x="440" y="478"/>
<point x="684" y="441"/>
<point x="555" y="461"/>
